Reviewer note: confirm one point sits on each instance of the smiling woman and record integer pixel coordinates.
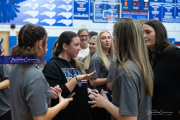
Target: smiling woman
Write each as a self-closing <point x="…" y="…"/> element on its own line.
<point x="65" y="71"/>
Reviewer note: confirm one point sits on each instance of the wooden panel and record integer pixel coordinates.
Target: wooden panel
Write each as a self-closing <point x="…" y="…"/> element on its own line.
<point x="5" y="43"/>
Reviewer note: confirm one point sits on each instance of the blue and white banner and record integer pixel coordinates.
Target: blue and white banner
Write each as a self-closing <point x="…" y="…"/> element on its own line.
<point x="41" y="12"/>
<point x="81" y="9"/>
<point x="168" y="13"/>
<point x="177" y="14"/>
<point x="155" y="11"/>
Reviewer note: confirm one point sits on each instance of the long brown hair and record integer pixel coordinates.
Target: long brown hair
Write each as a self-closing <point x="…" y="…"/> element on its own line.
<point x="131" y="46"/>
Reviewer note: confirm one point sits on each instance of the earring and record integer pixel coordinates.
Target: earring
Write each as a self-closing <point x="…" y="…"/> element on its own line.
<point x="41" y="48"/>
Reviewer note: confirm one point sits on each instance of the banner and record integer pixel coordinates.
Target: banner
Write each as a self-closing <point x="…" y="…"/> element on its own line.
<point x="155" y="11"/>
<point x="41" y="12"/>
<point x="168" y="13"/>
<point x="81" y="9"/>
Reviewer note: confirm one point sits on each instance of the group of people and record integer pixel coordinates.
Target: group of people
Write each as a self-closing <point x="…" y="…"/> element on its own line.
<point x="139" y="67"/>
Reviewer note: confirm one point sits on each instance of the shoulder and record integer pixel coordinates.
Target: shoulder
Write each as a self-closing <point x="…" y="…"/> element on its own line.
<point x="133" y="71"/>
<point x="173" y="53"/>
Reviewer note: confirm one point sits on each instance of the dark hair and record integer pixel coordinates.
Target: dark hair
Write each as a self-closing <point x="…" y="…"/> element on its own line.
<point x="54" y="50"/>
<point x="65" y="37"/>
<point x="92" y="33"/>
<point x="28" y="35"/>
<point x="162" y="42"/>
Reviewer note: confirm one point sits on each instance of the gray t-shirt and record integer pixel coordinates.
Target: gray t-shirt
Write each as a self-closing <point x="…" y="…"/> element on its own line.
<point x="97" y="64"/>
<point x="129" y="93"/>
<point x="4" y="93"/>
<point x="30" y="93"/>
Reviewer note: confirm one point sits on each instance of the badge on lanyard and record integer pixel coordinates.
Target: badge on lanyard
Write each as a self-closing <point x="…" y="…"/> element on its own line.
<point x="79" y="84"/>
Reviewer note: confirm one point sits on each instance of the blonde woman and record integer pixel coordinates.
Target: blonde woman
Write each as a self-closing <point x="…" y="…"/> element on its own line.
<point x="133" y="79"/>
<point x="92" y="48"/>
<point x="100" y="62"/>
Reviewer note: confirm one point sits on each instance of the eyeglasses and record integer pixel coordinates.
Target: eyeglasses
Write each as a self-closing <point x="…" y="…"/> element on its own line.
<point x="81" y="36"/>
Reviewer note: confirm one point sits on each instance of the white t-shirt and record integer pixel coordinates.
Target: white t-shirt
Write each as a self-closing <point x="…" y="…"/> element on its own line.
<point x="83" y="52"/>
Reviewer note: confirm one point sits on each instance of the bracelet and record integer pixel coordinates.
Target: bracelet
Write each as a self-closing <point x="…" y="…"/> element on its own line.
<point x="76" y="79"/>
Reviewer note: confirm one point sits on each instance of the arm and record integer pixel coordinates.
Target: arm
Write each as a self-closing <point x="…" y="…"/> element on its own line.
<point x="102" y="102"/>
<point x="109" y="85"/>
<point x="98" y="81"/>
<point x="4" y="74"/>
<point x="114" y="111"/>
<point x="4" y="84"/>
<point x="53" y="111"/>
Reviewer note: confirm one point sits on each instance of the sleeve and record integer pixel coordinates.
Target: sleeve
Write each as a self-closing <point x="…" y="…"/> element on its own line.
<point x="36" y="97"/>
<point x="94" y="65"/>
<point x="54" y="77"/>
<point x="110" y="76"/>
<point x="5" y="72"/>
<point x="128" y="99"/>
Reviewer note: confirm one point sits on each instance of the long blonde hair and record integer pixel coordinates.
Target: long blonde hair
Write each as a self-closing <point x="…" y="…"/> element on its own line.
<point x="87" y="61"/>
<point x="100" y="52"/>
<point x="131" y="46"/>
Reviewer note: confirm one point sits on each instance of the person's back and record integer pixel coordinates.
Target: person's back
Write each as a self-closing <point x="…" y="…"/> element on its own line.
<point x="132" y="87"/>
<point x="21" y="83"/>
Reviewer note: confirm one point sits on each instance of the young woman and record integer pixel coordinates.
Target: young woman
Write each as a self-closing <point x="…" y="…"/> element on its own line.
<point x="92" y="48"/>
<point x="30" y="95"/>
<point x="65" y="71"/>
<point x="100" y="62"/>
<point x="5" y="112"/>
<point x="164" y="58"/>
<point x="133" y="79"/>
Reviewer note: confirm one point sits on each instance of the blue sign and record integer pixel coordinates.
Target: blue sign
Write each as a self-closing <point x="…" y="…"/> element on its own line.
<point x="177" y="14"/>
<point x="41" y="12"/>
<point x="135" y="14"/>
<point x="81" y="9"/>
<point x="155" y="11"/>
<point x="168" y="13"/>
<point x="168" y="1"/>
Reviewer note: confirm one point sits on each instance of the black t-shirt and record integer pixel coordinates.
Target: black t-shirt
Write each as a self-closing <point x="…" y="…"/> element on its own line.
<point x="58" y="72"/>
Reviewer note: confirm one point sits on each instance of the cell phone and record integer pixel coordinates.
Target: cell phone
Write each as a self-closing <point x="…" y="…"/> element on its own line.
<point x="71" y="95"/>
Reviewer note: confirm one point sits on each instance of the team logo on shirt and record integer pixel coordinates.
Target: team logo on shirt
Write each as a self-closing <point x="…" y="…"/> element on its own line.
<point x="72" y="72"/>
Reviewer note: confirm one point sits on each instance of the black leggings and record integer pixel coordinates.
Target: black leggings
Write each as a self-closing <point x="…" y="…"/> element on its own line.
<point x="6" y="116"/>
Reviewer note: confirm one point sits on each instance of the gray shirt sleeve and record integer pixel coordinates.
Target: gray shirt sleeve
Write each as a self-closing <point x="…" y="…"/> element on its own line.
<point x="110" y="76"/>
<point x="5" y="71"/>
<point x="94" y="65"/>
<point x="128" y="99"/>
<point x="36" y="97"/>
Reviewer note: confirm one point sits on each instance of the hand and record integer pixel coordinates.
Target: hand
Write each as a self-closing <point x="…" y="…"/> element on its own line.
<point x="99" y="100"/>
<point x="85" y="77"/>
<point x="64" y="101"/>
<point x="55" y="91"/>
<point x="79" y="58"/>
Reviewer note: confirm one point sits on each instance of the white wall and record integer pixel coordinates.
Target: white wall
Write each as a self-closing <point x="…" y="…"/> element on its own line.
<point x="173" y="29"/>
